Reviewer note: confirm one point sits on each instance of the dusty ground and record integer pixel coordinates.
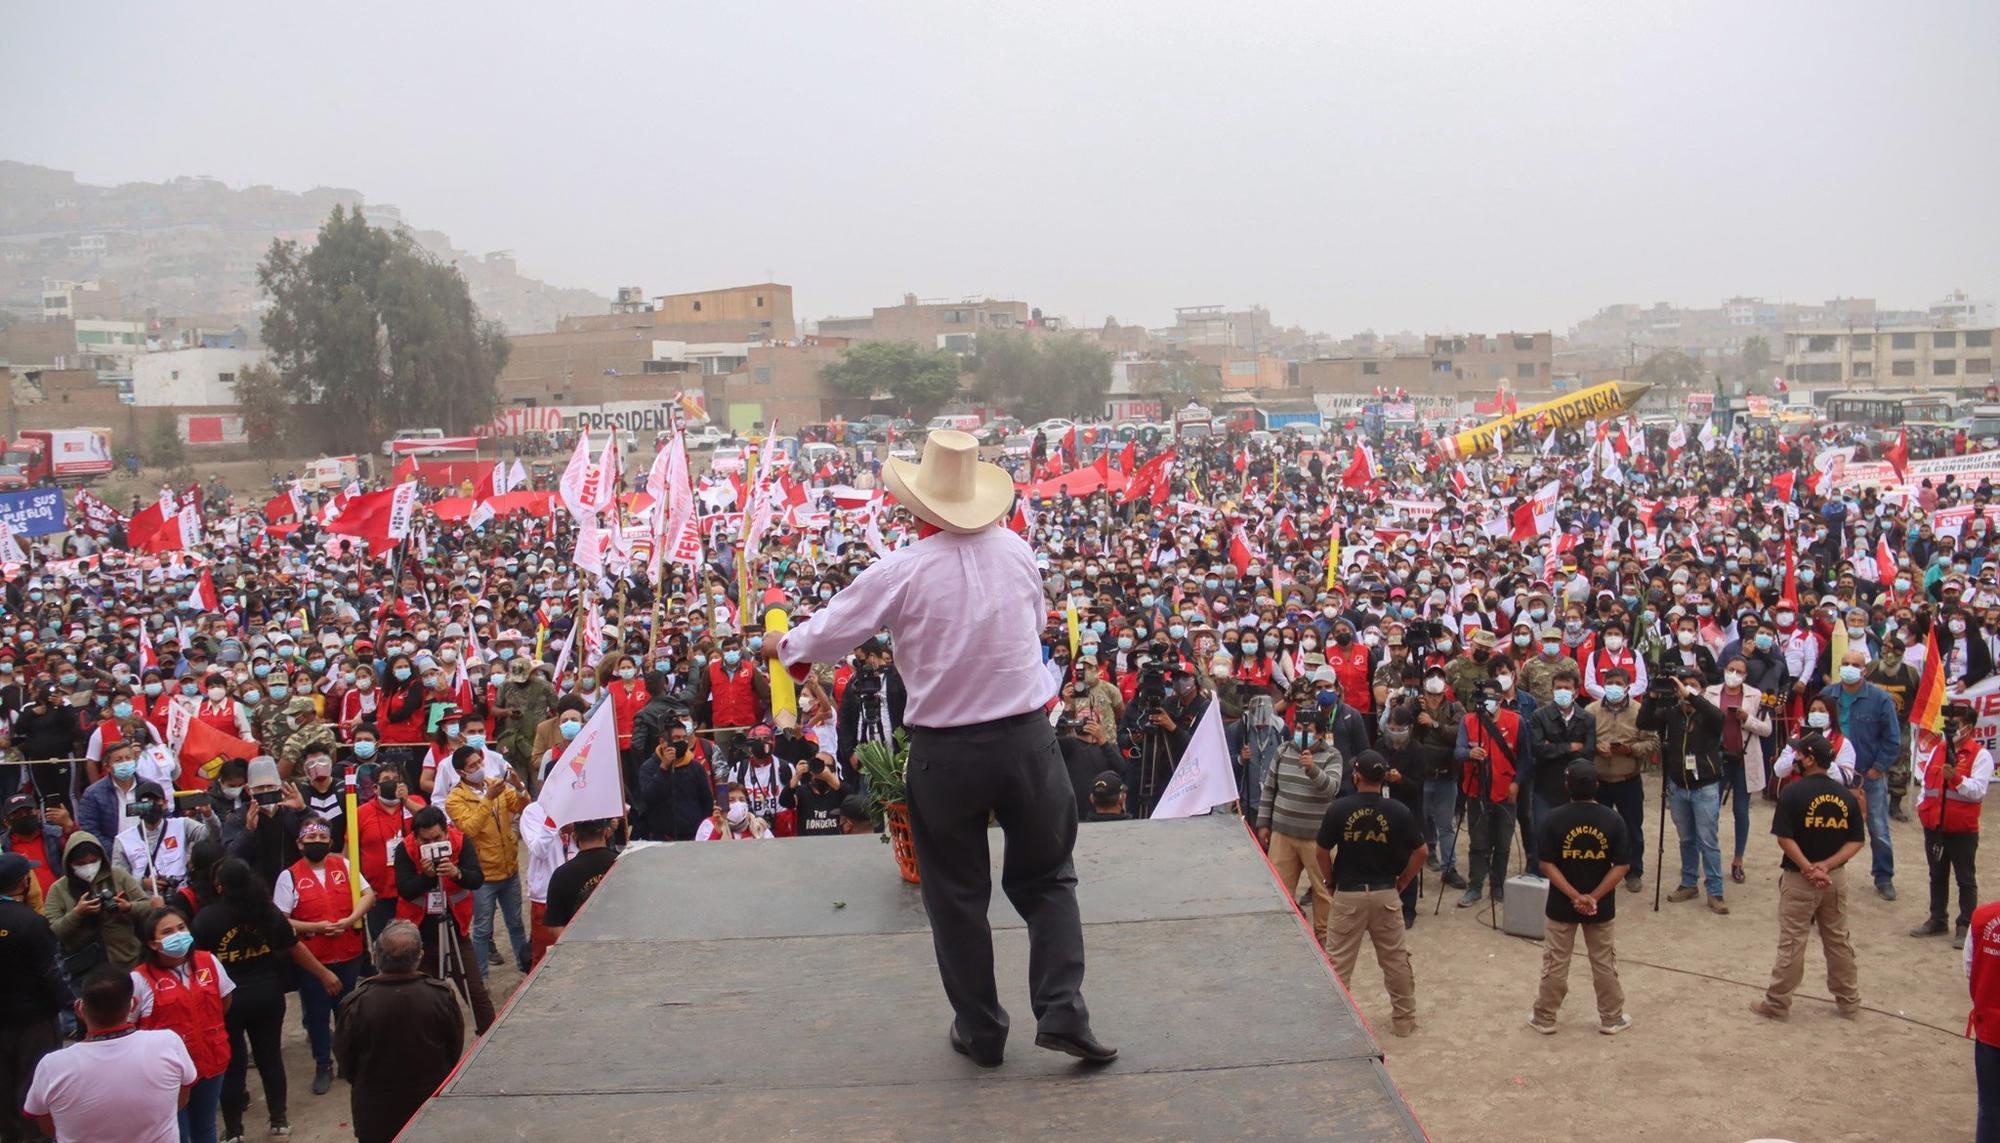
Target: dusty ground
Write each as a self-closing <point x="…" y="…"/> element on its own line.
<point x="1697" y="1065"/>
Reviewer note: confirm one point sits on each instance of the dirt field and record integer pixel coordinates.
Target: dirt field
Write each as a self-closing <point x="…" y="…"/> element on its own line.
<point x="1697" y="1065"/>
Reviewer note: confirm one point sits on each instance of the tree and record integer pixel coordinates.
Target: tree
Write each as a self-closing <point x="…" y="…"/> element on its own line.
<point x="918" y="380"/>
<point x="267" y="410"/>
<point x="377" y="334"/>
<point x="1668" y="368"/>
<point x="163" y="444"/>
<point x="1757" y="367"/>
<point x="1038" y="377"/>
<point x="1181" y="374"/>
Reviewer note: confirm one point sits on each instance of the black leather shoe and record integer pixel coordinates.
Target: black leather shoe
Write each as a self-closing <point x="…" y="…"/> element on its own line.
<point x="1084" y="1047"/>
<point x="959" y="1045"/>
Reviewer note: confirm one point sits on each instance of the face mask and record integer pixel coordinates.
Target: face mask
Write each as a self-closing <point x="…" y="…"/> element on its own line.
<point x="402" y="674"/>
<point x="363" y="683"/>
<point x="1704" y="609"/>
<point x="122" y="709"/>
<point x="1763" y="641"/>
<point x="587" y="684"/>
<point x="217" y="694"/>
<point x="732" y="657"/>
<point x="1850" y="673"/>
<point x="24" y="826"/>
<point x="388" y="791"/>
<point x="1785" y="618"/>
<point x="738" y="812"/>
<point x="1902" y="584"/>
<point x="232" y="792"/>
<point x="571" y="729"/>
<point x="364" y="749"/>
<point x="177" y="944"/>
<point x="1492" y="705"/>
<point x="1124" y="642"/>
<point x="475" y="740"/>
<point x="451" y="730"/>
<point x="1434" y="686"/>
<point x="1506" y="681"/>
<point x="152" y="690"/>
<point x="1552" y="648"/>
<point x="315" y="851"/>
<point x="1733" y="678"/>
<point x="1614" y="693"/>
<point x="1957" y="627"/>
<point x="1564" y="696"/>
<point x="87" y="870"/>
<point x="66" y="680"/>
<point x="1818" y="720"/>
<point x="1685" y="638"/>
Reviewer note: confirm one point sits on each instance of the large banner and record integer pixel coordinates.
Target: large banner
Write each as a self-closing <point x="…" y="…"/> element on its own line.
<point x="642" y="417"/>
<point x="213" y="429"/>
<point x="1985" y="699"/>
<point x="1969" y="469"/>
<point x="36" y="512"/>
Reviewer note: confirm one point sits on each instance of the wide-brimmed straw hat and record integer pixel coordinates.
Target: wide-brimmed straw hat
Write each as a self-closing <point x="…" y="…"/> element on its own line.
<point x="952" y="488"/>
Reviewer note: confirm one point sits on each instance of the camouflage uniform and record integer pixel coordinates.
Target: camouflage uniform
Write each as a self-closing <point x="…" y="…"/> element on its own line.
<point x="1463" y="675"/>
<point x="314" y="733"/>
<point x="533" y="698"/>
<point x="1538" y="675"/>
<point x="1389" y="673"/>
<point x="267" y="724"/>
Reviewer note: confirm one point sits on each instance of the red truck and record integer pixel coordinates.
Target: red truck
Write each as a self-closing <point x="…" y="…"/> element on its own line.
<point x="60" y="456"/>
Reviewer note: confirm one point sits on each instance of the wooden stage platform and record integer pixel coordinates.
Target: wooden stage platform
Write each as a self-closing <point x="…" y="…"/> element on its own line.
<point x="788" y="990"/>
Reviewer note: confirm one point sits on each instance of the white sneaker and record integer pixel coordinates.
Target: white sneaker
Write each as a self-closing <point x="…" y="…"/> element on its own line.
<point x="1537" y="1025"/>
<point x="1624" y="1022"/>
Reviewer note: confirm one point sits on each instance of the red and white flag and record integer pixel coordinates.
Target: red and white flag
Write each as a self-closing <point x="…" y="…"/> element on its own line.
<point x="586" y="784"/>
<point x="1885" y="564"/>
<point x="604" y="493"/>
<point x="1537" y="515"/>
<point x="1361" y="469"/>
<point x="203" y="598"/>
<point x="575" y="489"/>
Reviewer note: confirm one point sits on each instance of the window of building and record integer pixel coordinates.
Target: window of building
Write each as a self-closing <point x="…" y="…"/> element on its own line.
<point x="1371" y="368"/>
<point x="226" y="378"/>
<point x="1944" y="367"/>
<point x="1524" y="344"/>
<point x="1978" y="338"/>
<point x="761" y="375"/>
<point x="1903" y="368"/>
<point x="697" y="306"/>
<point x="1944" y="339"/>
<point x="1820" y="343"/>
<point x="1864" y="341"/>
<point x="955" y="317"/>
<point x="1525" y="369"/>
<point x="1864" y="370"/>
<point x="760" y="301"/>
<point x="1495" y="371"/>
<point x="1823" y="372"/>
<point x="958" y="342"/>
<point x="1440" y="367"/>
<point x="1979" y="365"/>
<point x="1243" y="369"/>
<point x="1902" y="341"/>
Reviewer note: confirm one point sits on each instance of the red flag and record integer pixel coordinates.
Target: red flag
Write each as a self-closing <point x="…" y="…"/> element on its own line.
<point x="1927" y="704"/>
<point x="1620" y="445"/>
<point x="1898" y="455"/>
<point x="1239" y="552"/>
<point x="203" y="598"/>
<point x="1885" y="564"/>
<point x="1781" y="485"/>
<point x="144" y="525"/>
<point x="376" y="516"/>
<point x="1129" y="459"/>
<point x="1361" y="469"/>
<point x="205" y="744"/>
<point x="147" y="659"/>
<point x="1103" y="465"/>
<point x="1791" y="596"/>
<point x="1069" y="443"/>
<point x="1458" y="480"/>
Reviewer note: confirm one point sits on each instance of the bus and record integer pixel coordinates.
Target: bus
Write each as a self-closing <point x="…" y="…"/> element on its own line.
<point x="1888" y="410"/>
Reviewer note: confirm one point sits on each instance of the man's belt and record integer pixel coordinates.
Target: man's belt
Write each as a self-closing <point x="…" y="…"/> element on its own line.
<point x="1363" y="886"/>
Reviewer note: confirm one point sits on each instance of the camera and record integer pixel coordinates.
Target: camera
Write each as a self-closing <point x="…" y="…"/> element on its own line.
<point x="105" y="897"/>
<point x="1664" y="685"/>
<point x="866" y="682"/>
<point x="1151" y="693"/>
<point x="815" y="765"/>
<point x="435" y="852"/>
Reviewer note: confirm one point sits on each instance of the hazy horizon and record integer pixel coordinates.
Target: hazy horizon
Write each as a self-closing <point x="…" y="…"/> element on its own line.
<point x="1462" y="167"/>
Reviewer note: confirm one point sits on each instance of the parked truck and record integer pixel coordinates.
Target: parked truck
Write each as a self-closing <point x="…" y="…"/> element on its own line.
<point x="60" y="456"/>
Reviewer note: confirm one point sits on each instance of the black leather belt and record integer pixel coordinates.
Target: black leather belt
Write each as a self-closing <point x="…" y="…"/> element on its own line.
<point x="1364" y="887"/>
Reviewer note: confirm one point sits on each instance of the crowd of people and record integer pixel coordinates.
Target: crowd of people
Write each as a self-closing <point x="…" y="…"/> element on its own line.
<point x="1413" y="660"/>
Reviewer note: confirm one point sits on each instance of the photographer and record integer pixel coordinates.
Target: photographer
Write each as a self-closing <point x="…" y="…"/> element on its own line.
<point x="1085" y="740"/>
<point x="815" y="794"/>
<point x="155" y="847"/>
<point x="436" y="873"/>
<point x="1158" y="725"/>
<point x="96" y="909"/>
<point x="871" y="705"/>
<point x="1490" y="741"/>
<point x="1690" y="730"/>
<point x="1434" y="720"/>
<point x="675" y="794"/>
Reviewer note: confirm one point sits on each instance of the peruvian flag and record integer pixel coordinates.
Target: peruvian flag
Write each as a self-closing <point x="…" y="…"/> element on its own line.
<point x="1239" y="552"/>
<point x="1885" y="564"/>
<point x="147" y="659"/>
<point x="496" y="481"/>
<point x="1361" y="469"/>
<point x="382" y="518"/>
<point x="1022" y="521"/>
<point x="1536" y="515"/>
<point x="286" y="505"/>
<point x="1898" y="455"/>
<point x="1129" y="458"/>
<point x="203" y="598"/>
<point x="1781" y="485"/>
<point x="1103" y="466"/>
<point x="577" y="486"/>
<point x="1458" y="480"/>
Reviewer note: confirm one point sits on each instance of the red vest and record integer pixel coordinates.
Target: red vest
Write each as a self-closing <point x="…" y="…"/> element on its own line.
<point x="1984" y="1023"/>
<point x="732" y="701"/>
<point x="223" y="720"/>
<point x="1605" y="659"/>
<point x="1499" y="763"/>
<point x="1350" y="666"/>
<point x="191" y="1010"/>
<point x="1959" y="817"/>
<point x="379" y="831"/>
<point x="459" y="899"/>
<point x="328" y="899"/>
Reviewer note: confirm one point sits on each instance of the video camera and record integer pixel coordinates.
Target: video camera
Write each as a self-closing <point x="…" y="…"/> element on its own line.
<point x="1422" y="634"/>
<point x="1664" y="685"/>
<point x="865" y="682"/>
<point x="1151" y="693"/>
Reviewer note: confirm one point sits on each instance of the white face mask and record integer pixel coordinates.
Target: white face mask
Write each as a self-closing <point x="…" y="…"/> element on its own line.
<point x="1733" y="678"/>
<point x="1614" y="642"/>
<point x="1686" y="638"/>
<point x="1506" y="681"/>
<point x="739" y="812"/>
<point x="1434" y="686"/>
<point x="88" y="870"/>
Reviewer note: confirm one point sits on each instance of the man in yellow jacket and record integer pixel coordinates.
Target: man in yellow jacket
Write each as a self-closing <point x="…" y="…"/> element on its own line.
<point x="484" y="804"/>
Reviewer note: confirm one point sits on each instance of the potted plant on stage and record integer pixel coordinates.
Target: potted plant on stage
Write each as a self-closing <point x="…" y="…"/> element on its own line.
<point x="882" y="766"/>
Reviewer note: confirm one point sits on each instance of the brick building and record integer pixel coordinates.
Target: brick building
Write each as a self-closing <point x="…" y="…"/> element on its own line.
<point x="932" y="324"/>
<point x="1462" y="366"/>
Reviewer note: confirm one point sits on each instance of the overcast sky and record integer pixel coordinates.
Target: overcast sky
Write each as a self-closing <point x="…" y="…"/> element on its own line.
<point x="1423" y="166"/>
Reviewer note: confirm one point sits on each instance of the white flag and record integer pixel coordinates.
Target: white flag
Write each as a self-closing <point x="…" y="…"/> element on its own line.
<point x="585" y="783"/>
<point x="1678" y="438"/>
<point x="569" y="645"/>
<point x="1204" y="779"/>
<point x="1709" y="438"/>
<point x="574" y="487"/>
<point x="589" y="553"/>
<point x="481" y="515"/>
<point x="517" y="477"/>
<point x="603" y="491"/>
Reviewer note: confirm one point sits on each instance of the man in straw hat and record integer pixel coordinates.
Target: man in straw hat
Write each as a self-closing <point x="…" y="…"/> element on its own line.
<point x="965" y="606"/>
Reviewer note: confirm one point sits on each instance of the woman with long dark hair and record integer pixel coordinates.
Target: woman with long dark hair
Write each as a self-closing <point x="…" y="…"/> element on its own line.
<point x="186" y="991"/>
<point x="253" y="940"/>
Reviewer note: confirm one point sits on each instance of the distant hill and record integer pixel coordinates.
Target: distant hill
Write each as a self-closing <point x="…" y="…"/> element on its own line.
<point x="189" y="247"/>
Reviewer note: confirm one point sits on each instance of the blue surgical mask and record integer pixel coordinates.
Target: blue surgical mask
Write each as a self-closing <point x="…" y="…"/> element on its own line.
<point x="402" y="674"/>
<point x="663" y="665"/>
<point x="756" y="643"/>
<point x="121" y="709"/>
<point x="1177" y="631"/>
<point x="1124" y="642"/>
<point x="251" y="696"/>
<point x="732" y="657"/>
<point x="261" y="669"/>
<point x="475" y="740"/>
<point x="1849" y="673"/>
<point x="152" y="690"/>
<point x="1704" y="609"/>
<point x="1099" y="626"/>
<point x="1565" y="696"/>
<point x="1614" y="693"/>
<point x="1902" y="583"/>
<point x="1818" y="719"/>
<point x="177" y="944"/>
<point x="316" y="665"/>
<point x="1763" y="641"/>
<point x="506" y="653"/>
<point x="280" y="690"/>
<point x="364" y="749"/>
<point x="571" y="729"/>
<point x="1326" y="699"/>
<point x="124" y="771"/>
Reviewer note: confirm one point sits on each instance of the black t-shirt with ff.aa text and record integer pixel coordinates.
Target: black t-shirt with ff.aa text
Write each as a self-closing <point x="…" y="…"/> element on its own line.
<point x="1371" y="838"/>
<point x="1584" y="840"/>
<point x="573" y="882"/>
<point x="1820" y="815"/>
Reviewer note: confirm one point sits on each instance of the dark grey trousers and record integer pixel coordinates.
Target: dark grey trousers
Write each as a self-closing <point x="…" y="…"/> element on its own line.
<point x="1012" y="769"/>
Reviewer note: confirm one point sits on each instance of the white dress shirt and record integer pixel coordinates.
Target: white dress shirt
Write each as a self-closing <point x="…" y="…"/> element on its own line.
<point x="966" y="612"/>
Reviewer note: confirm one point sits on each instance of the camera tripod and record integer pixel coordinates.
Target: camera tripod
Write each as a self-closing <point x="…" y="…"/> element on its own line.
<point x="1155" y="770"/>
<point x="450" y="959"/>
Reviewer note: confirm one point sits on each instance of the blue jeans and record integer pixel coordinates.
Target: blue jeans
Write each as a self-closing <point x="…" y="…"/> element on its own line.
<point x="1881" y="858"/>
<point x="1440" y="806"/>
<point x="197" y="1119"/>
<point x="1697" y="815"/>
<point x="508" y="894"/>
<point x="1739" y="803"/>
<point x="316" y="1007"/>
<point x="1628" y="797"/>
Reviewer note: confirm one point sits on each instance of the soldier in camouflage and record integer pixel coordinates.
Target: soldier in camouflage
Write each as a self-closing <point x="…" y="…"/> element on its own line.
<point x="1465" y="673"/>
<point x="302" y="729"/>
<point x="1538" y="673"/>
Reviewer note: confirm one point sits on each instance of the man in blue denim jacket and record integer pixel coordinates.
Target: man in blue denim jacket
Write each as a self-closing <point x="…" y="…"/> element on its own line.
<point x="1869" y="722"/>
